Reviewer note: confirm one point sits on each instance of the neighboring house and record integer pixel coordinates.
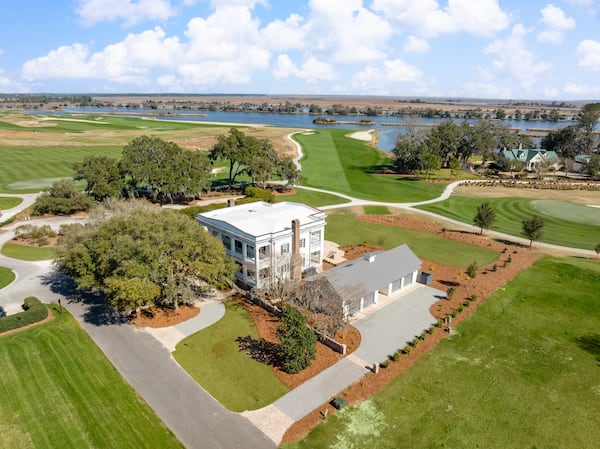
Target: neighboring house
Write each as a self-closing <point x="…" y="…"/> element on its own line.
<point x="360" y="283"/>
<point x="269" y="242"/>
<point x="530" y="159"/>
<point x="581" y="163"/>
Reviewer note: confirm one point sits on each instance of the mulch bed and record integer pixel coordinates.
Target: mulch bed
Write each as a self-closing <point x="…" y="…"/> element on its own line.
<point x="156" y="317"/>
<point x="485" y="283"/>
<point x="267" y="324"/>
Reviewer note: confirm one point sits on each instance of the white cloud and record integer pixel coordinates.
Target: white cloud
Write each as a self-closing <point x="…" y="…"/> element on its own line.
<point x="416" y="45"/>
<point x="378" y="79"/>
<point x="285" y="35"/>
<point x="130" y="11"/>
<point x="427" y="18"/>
<point x="583" y="91"/>
<point x="346" y="32"/>
<point x="513" y="60"/>
<point x="125" y="62"/>
<point x="591" y="7"/>
<point x="588" y="54"/>
<point x="312" y="69"/>
<point x="556" y="23"/>
<point x="9" y="85"/>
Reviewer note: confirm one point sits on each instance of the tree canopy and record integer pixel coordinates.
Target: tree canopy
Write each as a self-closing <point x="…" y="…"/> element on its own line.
<point x="533" y="228"/>
<point x="255" y="157"/>
<point x="143" y="257"/>
<point x="297" y="342"/>
<point x="164" y="167"/>
<point x="102" y="176"/>
<point x="485" y="216"/>
<point x="62" y="198"/>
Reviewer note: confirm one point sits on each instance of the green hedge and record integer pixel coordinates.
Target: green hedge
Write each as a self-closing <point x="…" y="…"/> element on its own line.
<point x="34" y="311"/>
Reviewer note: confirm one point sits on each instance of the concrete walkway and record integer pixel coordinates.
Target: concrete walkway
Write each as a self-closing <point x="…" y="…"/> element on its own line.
<point x="384" y="329"/>
<point x="210" y="312"/>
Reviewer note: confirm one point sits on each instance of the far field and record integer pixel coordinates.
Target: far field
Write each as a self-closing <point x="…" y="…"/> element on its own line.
<point x="59" y="391"/>
<point x="37" y="150"/>
<point x="521" y="372"/>
<point x="566" y="224"/>
<point x="333" y="161"/>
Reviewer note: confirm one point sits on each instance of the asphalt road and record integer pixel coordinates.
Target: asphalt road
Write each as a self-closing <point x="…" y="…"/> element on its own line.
<point x="197" y="419"/>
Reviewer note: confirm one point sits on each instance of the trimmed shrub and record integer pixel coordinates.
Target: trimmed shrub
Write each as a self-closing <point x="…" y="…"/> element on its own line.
<point x="472" y="270"/>
<point x="450" y="292"/>
<point x="473" y="297"/>
<point x="396" y="356"/>
<point x="385" y="363"/>
<point x="406" y="349"/>
<point x="454" y="313"/>
<point x="466" y="304"/>
<point x="34" y="311"/>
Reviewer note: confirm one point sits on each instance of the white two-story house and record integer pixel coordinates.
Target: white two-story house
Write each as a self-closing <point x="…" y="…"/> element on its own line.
<point x="269" y="242"/>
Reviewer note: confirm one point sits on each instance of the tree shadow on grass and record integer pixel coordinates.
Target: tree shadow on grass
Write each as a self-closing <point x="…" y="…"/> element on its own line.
<point x="96" y="312"/>
<point x="260" y="350"/>
<point x="590" y="343"/>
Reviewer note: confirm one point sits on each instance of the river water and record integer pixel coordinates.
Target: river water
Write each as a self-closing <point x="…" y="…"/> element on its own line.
<point x="387" y="134"/>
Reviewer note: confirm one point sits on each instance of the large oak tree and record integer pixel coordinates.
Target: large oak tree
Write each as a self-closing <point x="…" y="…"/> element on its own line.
<point x="143" y="257"/>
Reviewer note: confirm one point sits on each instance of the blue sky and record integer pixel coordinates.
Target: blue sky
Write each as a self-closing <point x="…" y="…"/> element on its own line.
<point x="454" y="48"/>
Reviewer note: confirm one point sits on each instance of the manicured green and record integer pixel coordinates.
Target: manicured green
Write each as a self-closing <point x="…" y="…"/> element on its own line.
<point x="342" y="228"/>
<point x="521" y="372"/>
<point x="8" y="202"/>
<point x="6" y="276"/>
<point x="28" y="169"/>
<point x="214" y="359"/>
<point x="312" y="198"/>
<point x="335" y="162"/>
<point x="29" y="253"/>
<point x="565" y="224"/>
<point x="59" y="391"/>
<point x="376" y="210"/>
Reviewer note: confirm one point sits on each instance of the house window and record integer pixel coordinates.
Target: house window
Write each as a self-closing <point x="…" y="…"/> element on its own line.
<point x="285" y="248"/>
<point x="226" y="241"/>
<point x="250" y="252"/>
<point x="238" y="247"/>
<point x="315" y="257"/>
<point x="302" y="243"/>
<point x="264" y="252"/>
<point x="396" y="285"/>
<point x="315" y="239"/>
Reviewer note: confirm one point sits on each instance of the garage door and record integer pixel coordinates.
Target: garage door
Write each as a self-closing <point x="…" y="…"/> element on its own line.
<point x="408" y="280"/>
<point x="369" y="299"/>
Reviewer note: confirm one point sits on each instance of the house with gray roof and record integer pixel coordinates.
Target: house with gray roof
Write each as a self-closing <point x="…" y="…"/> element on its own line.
<point x="362" y="282"/>
<point x="530" y="159"/>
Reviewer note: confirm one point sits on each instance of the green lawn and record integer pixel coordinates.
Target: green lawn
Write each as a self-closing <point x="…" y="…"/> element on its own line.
<point x="564" y="222"/>
<point x="335" y="162"/>
<point x="342" y="228"/>
<point x="376" y="210"/>
<point x="29" y="253"/>
<point x="314" y="199"/>
<point x="522" y="372"/>
<point x="6" y="276"/>
<point x="7" y="202"/>
<point x="28" y="169"/>
<point x="59" y="391"/>
<point x="212" y="357"/>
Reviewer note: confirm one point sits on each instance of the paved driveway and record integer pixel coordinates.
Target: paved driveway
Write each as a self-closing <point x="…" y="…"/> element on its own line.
<point x="383" y="330"/>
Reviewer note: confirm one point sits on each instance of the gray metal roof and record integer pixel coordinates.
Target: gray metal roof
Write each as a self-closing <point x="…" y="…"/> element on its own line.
<point x="362" y="276"/>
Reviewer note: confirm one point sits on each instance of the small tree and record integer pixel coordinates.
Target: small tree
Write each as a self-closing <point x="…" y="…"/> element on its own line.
<point x="485" y="216"/>
<point x="533" y="228"/>
<point x="472" y="270"/>
<point x="62" y="198"/>
<point x="297" y="343"/>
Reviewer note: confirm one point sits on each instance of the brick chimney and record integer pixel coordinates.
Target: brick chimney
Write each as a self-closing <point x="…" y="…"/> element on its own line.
<point x="296" y="262"/>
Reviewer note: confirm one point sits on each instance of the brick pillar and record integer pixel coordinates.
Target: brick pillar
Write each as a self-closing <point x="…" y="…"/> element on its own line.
<point x="296" y="262"/>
